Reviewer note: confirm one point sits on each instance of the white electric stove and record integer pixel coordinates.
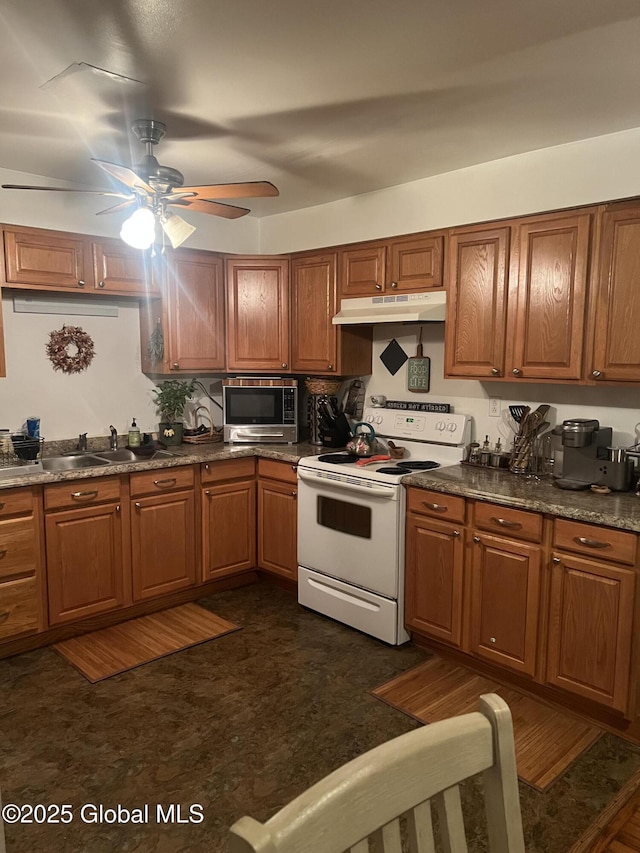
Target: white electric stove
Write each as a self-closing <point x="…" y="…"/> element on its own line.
<point x="351" y="520"/>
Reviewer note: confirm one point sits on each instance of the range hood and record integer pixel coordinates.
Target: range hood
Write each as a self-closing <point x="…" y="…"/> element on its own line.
<point x="398" y="308"/>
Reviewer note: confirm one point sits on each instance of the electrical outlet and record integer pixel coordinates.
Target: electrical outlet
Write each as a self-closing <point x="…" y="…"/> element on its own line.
<point x="494" y="407"/>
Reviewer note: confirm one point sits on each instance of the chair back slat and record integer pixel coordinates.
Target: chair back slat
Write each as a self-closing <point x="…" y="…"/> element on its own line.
<point x="420" y="829"/>
<point x="451" y="821"/>
<point x="360" y="847"/>
<point x="387" y="839"/>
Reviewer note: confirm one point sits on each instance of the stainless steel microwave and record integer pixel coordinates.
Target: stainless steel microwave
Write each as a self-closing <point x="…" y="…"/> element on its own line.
<point x="253" y="414"/>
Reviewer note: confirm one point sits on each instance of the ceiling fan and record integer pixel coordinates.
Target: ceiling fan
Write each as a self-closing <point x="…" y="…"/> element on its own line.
<point x="156" y="192"/>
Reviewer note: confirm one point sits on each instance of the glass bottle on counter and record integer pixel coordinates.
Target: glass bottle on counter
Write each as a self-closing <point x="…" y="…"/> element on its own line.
<point x="485" y="453"/>
<point x="474" y="453"/>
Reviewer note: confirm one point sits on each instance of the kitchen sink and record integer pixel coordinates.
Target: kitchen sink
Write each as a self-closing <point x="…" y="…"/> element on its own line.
<point x="72" y="463"/>
<point x="121" y="455"/>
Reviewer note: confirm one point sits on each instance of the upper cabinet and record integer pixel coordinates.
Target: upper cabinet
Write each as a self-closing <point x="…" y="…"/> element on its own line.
<point x="38" y="259"/>
<point x="403" y="265"/>
<point x="317" y="346"/>
<point x="189" y="317"/>
<point x="258" y="313"/>
<point x="518" y="298"/>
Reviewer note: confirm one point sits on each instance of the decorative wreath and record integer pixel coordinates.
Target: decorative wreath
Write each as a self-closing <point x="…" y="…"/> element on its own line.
<point x="58" y="352"/>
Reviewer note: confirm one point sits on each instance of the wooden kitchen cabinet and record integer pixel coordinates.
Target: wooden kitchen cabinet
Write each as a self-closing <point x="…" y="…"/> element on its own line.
<point x="434" y="576"/>
<point x="163" y="531"/>
<point x="87" y="550"/>
<point x="22" y="609"/>
<point x="615" y="355"/>
<point x="190" y="314"/>
<point x="400" y="265"/>
<point x="40" y="259"/>
<point x="278" y="518"/>
<point x="257" y="293"/>
<point x="228" y="517"/>
<point x="317" y="346"/>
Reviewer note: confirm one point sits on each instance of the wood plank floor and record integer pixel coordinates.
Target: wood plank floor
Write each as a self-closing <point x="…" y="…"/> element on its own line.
<point x="547" y="740"/>
<point x="107" y="652"/>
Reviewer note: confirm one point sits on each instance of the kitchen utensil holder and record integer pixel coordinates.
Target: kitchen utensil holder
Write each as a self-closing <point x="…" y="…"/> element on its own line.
<point x="521" y="455"/>
<point x="212" y="434"/>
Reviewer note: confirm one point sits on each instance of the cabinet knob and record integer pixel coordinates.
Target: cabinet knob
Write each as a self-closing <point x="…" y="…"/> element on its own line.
<point x="556" y="560"/>
<point x="118" y="508"/>
<point x="596" y="374"/>
<point x="492" y="639"/>
<point x="138" y="505"/>
<point x="329" y="367"/>
<point x="378" y="287"/>
<point x="516" y="371"/>
<point x="394" y="284"/>
<point x="476" y="538"/>
<point x="101" y="284"/>
<point x="207" y="492"/>
<point x="456" y="533"/>
<point x="294" y="494"/>
<point x="81" y="283"/>
<point x="206" y="466"/>
<point x="294" y="468"/>
<point x="495" y="371"/>
<point x="284" y="364"/>
<point x="176" y="366"/>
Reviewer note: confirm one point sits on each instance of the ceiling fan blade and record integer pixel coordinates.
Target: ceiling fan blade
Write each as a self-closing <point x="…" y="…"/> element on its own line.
<point x="67" y="190"/>
<point x="247" y="189"/>
<point x="202" y="205"/>
<point x="125" y="205"/>
<point x="124" y="175"/>
<point x="176" y="228"/>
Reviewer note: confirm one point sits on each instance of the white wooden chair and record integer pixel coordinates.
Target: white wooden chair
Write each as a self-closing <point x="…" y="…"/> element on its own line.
<point x="365" y="798"/>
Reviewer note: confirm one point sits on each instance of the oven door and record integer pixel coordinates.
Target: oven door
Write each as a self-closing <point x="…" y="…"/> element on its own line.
<point x="350" y="530"/>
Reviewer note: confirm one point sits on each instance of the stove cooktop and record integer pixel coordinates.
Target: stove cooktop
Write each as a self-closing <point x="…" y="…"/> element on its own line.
<point x="387" y="470"/>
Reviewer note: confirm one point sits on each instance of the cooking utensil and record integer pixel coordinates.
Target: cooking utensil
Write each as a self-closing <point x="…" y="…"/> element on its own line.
<point x="379" y="457"/>
<point x="394" y="451"/>
<point x="518" y="412"/>
<point x="363" y="441"/>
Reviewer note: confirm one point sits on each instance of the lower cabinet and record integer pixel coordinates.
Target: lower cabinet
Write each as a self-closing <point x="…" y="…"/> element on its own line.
<point x="86" y="559"/>
<point x="228" y="517"/>
<point x="278" y="518"/>
<point x="163" y="532"/>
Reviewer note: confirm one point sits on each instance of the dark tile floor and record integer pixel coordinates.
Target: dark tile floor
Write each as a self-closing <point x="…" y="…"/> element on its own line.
<point x="239" y="725"/>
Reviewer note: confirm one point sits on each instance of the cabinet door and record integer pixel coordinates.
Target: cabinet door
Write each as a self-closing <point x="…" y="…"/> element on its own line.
<point x="476" y="309"/>
<point x="195" y="312"/>
<point x="590" y="623"/>
<point x="416" y="265"/>
<point x="228" y="529"/>
<point x="548" y="319"/>
<point x="616" y="352"/>
<point x="278" y="528"/>
<point x="363" y="271"/>
<point x="85" y="562"/>
<point x="505" y="602"/>
<point x="434" y="578"/>
<point x="313" y="304"/>
<point x="163" y="544"/>
<point x="51" y="260"/>
<point x="20" y="611"/>
<point x="257" y="314"/>
<point x="117" y="268"/>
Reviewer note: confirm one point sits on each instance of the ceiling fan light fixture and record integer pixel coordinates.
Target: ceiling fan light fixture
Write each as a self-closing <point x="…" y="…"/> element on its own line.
<point x="139" y="230"/>
<point x="176" y="228"/>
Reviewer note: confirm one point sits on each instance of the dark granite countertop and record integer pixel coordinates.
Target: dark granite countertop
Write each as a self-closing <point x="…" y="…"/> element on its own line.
<point x="617" y="509"/>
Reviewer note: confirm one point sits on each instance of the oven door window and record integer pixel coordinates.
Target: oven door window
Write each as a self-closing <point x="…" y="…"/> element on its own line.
<point x="262" y="406"/>
<point x="353" y="519"/>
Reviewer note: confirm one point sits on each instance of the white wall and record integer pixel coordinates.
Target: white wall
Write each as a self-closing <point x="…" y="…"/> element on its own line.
<point x="617" y="408"/>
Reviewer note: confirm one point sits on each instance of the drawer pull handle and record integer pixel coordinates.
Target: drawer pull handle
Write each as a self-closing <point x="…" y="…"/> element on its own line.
<point x="82" y="496"/>
<point x="169" y="481"/>
<point x="435" y="507"/>
<point x="476" y="539"/>
<point x="3" y="553"/>
<point x="456" y="533"/>
<point x="503" y="522"/>
<point x="4" y="615"/>
<point x="207" y="493"/>
<point x="591" y="543"/>
<point x="294" y="494"/>
<point x="138" y="505"/>
<point x="294" y="468"/>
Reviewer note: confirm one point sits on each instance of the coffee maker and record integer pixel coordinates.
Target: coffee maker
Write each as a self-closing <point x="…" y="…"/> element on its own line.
<point x="587" y="457"/>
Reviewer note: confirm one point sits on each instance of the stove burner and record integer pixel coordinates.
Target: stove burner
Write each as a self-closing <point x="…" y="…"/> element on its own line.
<point x="337" y="458"/>
<point x="394" y="470"/>
<point x="418" y="466"/>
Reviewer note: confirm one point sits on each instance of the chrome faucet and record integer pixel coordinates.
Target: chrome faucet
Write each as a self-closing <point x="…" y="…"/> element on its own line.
<point x="82" y="441"/>
<point x="114" y="438"/>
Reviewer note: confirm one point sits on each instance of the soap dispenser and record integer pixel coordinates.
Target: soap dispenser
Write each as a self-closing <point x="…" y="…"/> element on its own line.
<point x="134" y="434"/>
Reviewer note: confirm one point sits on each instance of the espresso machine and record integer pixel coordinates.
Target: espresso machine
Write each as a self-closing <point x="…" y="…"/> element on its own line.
<point x="589" y="459"/>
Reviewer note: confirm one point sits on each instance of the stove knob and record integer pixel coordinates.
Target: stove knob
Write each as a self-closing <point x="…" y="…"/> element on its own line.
<point x="379" y="419"/>
<point x="370" y="419"/>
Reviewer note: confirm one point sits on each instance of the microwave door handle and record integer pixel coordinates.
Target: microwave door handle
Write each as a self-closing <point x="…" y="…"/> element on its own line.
<point x="260" y="434"/>
<point x="347" y="487"/>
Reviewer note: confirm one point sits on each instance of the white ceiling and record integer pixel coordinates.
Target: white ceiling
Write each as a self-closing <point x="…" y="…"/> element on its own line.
<point x="326" y="99"/>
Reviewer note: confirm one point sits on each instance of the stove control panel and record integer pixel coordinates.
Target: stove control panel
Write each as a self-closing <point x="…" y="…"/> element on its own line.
<point x="420" y="426"/>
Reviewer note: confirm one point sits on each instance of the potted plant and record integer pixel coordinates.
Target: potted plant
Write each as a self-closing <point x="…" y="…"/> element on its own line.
<point x="171" y="398"/>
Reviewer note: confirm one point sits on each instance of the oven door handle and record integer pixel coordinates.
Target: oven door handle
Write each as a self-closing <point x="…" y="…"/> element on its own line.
<point x="347" y="487"/>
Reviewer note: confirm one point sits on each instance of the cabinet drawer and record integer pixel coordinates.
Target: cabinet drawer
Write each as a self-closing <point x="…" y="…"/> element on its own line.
<point x="436" y="504"/>
<point x="514" y="523"/>
<point x="162" y="480"/>
<point x="18" y="607"/>
<point x="604" y="543"/>
<point x="15" y="501"/>
<point x="285" y="471"/>
<point x="17" y="547"/>
<point x="228" y="469"/>
<point x="82" y="492"/>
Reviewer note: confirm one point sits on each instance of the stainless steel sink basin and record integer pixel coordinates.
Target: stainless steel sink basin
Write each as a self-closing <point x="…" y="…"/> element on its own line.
<point x="72" y="463"/>
<point x="121" y="455"/>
